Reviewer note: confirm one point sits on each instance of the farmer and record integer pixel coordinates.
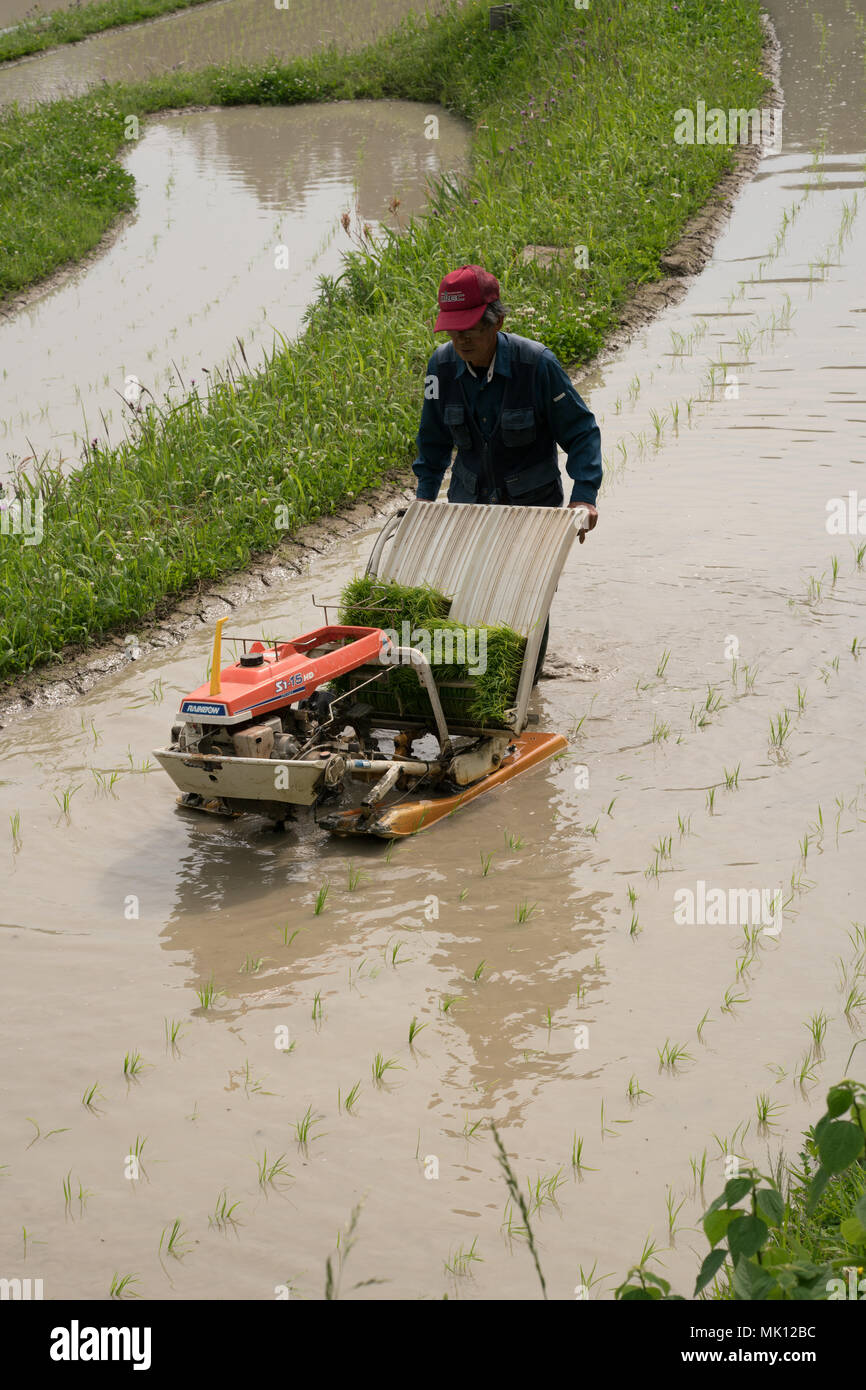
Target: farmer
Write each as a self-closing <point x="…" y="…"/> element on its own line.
<point x="504" y="403"/>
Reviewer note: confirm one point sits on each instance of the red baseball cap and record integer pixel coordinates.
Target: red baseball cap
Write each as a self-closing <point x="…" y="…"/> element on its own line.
<point x="464" y="295"/>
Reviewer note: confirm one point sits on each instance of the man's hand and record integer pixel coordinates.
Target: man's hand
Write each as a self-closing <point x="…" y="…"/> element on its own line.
<point x="591" y="518"/>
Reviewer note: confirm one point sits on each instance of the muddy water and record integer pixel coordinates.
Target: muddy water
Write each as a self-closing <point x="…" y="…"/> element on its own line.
<point x="706" y="548"/>
<point x="239" y="213"/>
<point x="235" y="31"/>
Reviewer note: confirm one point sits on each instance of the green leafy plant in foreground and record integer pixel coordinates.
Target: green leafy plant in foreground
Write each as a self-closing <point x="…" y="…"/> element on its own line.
<point x="798" y="1246"/>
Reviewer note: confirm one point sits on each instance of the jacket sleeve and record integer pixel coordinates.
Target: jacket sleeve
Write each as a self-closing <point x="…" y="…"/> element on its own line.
<point x="434" y="441"/>
<point x="573" y="426"/>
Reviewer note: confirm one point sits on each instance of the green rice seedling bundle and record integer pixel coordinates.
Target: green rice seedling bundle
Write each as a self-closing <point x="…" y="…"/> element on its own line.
<point x="476" y="670"/>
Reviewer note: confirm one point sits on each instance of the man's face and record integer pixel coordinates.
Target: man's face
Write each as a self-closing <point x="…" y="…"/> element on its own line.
<point x="476" y="345"/>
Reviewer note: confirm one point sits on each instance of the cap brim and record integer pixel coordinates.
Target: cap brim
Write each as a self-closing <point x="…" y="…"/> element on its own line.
<point x="452" y="319"/>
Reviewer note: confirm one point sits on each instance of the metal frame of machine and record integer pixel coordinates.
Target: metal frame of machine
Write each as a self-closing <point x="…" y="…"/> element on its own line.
<point x="262" y="736"/>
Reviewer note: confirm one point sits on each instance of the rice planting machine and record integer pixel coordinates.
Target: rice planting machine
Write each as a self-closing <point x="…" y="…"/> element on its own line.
<point x="266" y="736"/>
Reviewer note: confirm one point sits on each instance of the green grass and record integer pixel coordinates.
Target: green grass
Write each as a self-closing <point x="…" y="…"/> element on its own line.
<point x="573" y="112"/>
<point x="69" y="26"/>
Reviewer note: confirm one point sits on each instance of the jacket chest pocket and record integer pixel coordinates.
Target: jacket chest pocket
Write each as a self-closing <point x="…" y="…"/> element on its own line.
<point x="518" y="428"/>
<point x="455" y="420"/>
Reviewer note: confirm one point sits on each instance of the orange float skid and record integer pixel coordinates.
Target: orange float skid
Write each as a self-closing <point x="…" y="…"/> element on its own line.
<point x="408" y="817"/>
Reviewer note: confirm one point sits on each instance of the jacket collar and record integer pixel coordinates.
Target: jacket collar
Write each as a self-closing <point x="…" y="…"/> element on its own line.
<point x="503" y="357"/>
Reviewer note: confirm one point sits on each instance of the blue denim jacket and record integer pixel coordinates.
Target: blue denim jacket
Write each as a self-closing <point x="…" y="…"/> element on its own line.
<point x="558" y="404"/>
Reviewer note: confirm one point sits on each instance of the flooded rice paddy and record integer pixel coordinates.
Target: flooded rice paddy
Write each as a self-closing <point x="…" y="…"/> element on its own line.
<point x="239" y="213"/>
<point x="226" y="32"/>
<point x="710" y="639"/>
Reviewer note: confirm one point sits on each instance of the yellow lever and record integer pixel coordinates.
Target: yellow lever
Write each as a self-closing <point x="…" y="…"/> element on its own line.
<point x="216" y="658"/>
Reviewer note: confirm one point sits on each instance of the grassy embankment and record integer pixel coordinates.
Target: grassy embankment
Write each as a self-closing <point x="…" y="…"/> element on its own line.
<point x="573" y="146"/>
<point x="79" y="21"/>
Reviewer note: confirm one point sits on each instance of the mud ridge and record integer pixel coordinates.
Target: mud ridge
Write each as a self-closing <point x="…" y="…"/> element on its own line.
<point x="81" y="668"/>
